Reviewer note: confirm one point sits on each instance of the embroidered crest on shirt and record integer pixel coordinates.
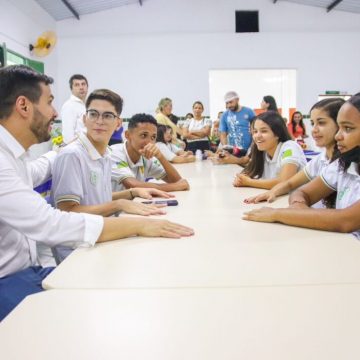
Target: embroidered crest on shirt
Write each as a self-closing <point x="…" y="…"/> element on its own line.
<point x="122" y="164"/>
<point x="287" y="153"/>
<point x="94" y="177"/>
<point x="342" y="193"/>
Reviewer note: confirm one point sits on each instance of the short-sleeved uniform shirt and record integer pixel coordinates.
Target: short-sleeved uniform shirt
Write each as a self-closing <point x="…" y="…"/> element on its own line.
<point x="81" y="174"/>
<point x="346" y="183"/>
<point x="168" y="151"/>
<point x="288" y="152"/>
<point x="313" y="169"/>
<point x="197" y="125"/>
<point x="237" y="126"/>
<point x="123" y="167"/>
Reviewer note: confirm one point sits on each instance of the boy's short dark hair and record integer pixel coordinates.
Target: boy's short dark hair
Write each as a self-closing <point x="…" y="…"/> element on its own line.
<point x="19" y="80"/>
<point x="77" y="77"/>
<point x="108" y="95"/>
<point x="141" y="119"/>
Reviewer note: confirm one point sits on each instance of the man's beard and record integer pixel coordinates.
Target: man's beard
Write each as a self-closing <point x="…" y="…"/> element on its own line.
<point x="40" y="127"/>
<point x="234" y="108"/>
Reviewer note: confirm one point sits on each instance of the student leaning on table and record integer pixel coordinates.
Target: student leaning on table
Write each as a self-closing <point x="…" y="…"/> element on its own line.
<point x="90" y="156"/>
<point x="81" y="175"/>
<point x="324" y="128"/>
<point x="342" y="176"/>
<point x="26" y="114"/>
<point x="274" y="156"/>
<point x="139" y="159"/>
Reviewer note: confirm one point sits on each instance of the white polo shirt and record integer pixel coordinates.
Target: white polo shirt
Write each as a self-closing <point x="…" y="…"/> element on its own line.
<point x="123" y="167"/>
<point x="288" y="152"/>
<point x="347" y="185"/>
<point x="72" y="118"/>
<point x="81" y="174"/>
<point x="314" y="167"/>
<point x="167" y="151"/>
<point x="197" y="125"/>
<point x="26" y="218"/>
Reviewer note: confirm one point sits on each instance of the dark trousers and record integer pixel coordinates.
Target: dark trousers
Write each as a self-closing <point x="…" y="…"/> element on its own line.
<point x="198" y="145"/>
<point x="15" y="287"/>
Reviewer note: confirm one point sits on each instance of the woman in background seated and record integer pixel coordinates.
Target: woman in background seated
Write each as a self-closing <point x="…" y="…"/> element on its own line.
<point x="323" y="119"/>
<point x="171" y="152"/>
<point x="197" y="130"/>
<point x="342" y="176"/>
<point x="162" y="118"/>
<point x="274" y="156"/>
<point x="268" y="103"/>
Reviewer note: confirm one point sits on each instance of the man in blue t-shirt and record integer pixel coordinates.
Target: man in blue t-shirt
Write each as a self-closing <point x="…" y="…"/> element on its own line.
<point x="235" y="122"/>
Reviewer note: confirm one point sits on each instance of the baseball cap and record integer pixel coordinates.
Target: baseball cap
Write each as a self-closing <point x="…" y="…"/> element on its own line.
<point x="231" y="95"/>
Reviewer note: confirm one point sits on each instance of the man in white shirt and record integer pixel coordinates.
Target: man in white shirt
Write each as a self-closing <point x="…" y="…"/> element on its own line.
<point x="74" y="108"/>
<point x="26" y="114"/>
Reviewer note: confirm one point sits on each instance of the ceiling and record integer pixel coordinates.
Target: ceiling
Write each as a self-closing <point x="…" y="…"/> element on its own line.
<point x="60" y="9"/>
<point x="344" y="5"/>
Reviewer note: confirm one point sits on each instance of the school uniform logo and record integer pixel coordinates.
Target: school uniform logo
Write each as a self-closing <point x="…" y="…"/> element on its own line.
<point x="287" y="153"/>
<point x="122" y="164"/>
<point x="94" y="178"/>
<point x="342" y="193"/>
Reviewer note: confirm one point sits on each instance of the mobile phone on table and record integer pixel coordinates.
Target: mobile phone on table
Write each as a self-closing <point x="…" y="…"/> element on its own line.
<point x="159" y="202"/>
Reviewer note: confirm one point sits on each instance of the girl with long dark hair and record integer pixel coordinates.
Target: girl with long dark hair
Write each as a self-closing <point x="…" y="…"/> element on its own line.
<point x="268" y="103"/>
<point x="296" y="126"/>
<point x="323" y="119"/>
<point x="274" y="156"/>
<point x="171" y="152"/>
<point x="341" y="176"/>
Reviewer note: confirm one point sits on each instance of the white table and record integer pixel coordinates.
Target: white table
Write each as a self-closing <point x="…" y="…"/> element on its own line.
<point x="226" y="251"/>
<point x="275" y="323"/>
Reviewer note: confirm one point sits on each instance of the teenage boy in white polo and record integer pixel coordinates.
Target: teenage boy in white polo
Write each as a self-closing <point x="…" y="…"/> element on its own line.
<point x="89" y="156"/>
<point x="139" y="158"/>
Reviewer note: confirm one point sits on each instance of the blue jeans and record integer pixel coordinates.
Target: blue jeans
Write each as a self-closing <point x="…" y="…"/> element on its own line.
<point x="15" y="287"/>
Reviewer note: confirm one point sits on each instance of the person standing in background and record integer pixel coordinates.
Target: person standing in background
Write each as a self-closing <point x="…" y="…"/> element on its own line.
<point x="296" y="126"/>
<point x="268" y="103"/>
<point x="197" y="130"/>
<point x="74" y="108"/>
<point x="235" y="122"/>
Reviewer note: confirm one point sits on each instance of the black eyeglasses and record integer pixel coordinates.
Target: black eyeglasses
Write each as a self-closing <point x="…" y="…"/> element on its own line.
<point x="107" y="116"/>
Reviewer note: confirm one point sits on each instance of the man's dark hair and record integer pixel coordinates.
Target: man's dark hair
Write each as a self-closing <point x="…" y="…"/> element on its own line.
<point x="77" y="77"/>
<point x="108" y="95"/>
<point x="141" y="119"/>
<point x="19" y="80"/>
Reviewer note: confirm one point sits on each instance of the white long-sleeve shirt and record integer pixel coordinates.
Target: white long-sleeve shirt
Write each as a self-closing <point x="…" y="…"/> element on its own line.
<point x="26" y="218"/>
<point x="72" y="118"/>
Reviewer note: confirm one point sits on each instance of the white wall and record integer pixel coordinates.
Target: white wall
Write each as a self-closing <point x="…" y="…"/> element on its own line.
<point x="21" y="22"/>
<point x="136" y="67"/>
<point x="167" y="47"/>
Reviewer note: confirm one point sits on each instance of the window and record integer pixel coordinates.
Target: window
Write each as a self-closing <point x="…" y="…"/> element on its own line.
<point x="9" y="57"/>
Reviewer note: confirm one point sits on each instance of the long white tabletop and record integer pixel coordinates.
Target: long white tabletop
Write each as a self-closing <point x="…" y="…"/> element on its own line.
<point x="226" y="251"/>
<point x="275" y="323"/>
